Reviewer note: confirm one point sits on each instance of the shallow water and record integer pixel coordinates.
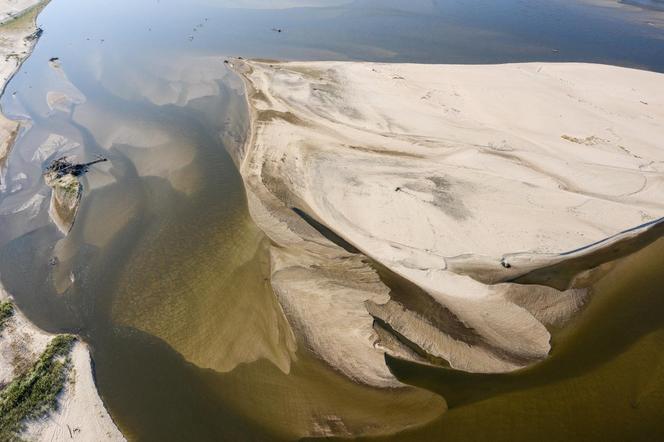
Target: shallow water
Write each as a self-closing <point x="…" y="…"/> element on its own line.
<point x="164" y="274"/>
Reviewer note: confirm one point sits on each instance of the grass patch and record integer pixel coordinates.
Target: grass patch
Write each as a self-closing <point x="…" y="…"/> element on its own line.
<point x="33" y="394"/>
<point x="6" y="312"/>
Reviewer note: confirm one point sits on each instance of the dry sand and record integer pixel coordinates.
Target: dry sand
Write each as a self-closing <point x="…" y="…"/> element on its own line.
<point x="490" y="199"/>
<point x="13" y="9"/>
<point x="81" y="415"/>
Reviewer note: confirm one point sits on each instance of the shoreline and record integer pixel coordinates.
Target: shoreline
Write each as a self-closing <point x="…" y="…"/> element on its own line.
<point x="16" y="40"/>
<point x="477" y="312"/>
<point x="80" y="412"/>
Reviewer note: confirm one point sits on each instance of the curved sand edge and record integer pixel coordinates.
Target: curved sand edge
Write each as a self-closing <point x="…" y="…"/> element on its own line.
<point x="18" y="30"/>
<point x="445" y="176"/>
<point x="81" y="410"/>
<point x="65" y="200"/>
<point x="80" y="414"/>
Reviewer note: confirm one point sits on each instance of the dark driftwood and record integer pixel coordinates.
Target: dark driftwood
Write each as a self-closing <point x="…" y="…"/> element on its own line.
<point x="62" y="166"/>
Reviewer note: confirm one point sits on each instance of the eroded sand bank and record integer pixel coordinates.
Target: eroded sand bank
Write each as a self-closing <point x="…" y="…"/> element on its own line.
<point x="80" y="413"/>
<point x="489" y="199"/>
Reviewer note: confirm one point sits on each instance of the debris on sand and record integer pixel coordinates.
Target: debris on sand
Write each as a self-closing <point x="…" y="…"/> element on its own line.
<point x="62" y="176"/>
<point x="62" y="166"/>
<point x="35" y="35"/>
<point x="54" y="62"/>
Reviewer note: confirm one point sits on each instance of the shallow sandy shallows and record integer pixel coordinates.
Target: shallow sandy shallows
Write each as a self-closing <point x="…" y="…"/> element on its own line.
<point x="81" y="415"/>
<point x="466" y="186"/>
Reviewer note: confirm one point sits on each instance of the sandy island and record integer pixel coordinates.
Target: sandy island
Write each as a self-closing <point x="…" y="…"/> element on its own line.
<point x="80" y="413"/>
<point x="447" y="214"/>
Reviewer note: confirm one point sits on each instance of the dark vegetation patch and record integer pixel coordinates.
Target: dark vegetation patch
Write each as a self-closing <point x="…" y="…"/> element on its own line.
<point x="6" y="312"/>
<point x="33" y="394"/>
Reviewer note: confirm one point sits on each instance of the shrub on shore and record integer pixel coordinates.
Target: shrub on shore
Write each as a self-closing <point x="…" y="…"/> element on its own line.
<point x="33" y="394"/>
<point x="6" y="312"/>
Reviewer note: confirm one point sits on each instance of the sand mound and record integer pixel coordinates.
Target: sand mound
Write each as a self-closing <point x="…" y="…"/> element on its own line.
<point x="487" y="198"/>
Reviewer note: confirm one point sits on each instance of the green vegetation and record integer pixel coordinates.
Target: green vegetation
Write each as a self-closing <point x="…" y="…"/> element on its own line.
<point x="33" y="394"/>
<point x="6" y="312"/>
<point x="73" y="188"/>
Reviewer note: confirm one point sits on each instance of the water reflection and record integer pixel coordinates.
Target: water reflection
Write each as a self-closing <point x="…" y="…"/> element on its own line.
<point x="603" y="379"/>
<point x="164" y="273"/>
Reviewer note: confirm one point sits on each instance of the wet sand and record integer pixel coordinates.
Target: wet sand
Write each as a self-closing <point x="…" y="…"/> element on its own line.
<point x="158" y="105"/>
<point x="603" y="378"/>
<point x="474" y="193"/>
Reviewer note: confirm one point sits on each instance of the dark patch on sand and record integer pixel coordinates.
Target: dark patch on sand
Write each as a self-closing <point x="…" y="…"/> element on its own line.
<point x="445" y="196"/>
<point x="266" y="116"/>
<point x="379" y="151"/>
<point x="326" y="231"/>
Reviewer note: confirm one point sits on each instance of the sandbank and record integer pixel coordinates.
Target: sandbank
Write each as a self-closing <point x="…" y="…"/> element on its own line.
<point x="447" y="214"/>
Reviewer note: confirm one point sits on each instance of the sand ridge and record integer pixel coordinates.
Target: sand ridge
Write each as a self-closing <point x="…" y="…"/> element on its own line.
<point x="490" y="198"/>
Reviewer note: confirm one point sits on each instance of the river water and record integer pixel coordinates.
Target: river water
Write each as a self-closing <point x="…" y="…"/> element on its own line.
<point x="165" y="275"/>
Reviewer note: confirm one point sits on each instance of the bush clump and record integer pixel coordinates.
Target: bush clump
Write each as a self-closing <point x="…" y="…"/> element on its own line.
<point x="33" y="394"/>
<point x="6" y="312"/>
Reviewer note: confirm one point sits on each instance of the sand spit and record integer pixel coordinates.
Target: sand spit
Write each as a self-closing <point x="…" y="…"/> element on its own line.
<point x="18" y="35"/>
<point x="66" y="194"/>
<point x="80" y="415"/>
<point x="447" y="214"/>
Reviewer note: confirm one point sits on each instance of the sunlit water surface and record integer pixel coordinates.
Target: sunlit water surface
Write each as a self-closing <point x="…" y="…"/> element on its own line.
<point x="165" y="275"/>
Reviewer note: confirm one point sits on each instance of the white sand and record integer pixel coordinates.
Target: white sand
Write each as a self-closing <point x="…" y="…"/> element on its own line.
<point x="81" y="414"/>
<point x="21" y="343"/>
<point x="80" y="410"/>
<point x="12" y="9"/>
<point x="458" y="179"/>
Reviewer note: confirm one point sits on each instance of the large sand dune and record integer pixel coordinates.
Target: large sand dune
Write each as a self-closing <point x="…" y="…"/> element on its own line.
<point x="488" y="198"/>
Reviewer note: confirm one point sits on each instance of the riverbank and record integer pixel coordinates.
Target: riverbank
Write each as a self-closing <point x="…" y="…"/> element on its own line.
<point x="443" y="214"/>
<point x="78" y="412"/>
<point x="20" y="34"/>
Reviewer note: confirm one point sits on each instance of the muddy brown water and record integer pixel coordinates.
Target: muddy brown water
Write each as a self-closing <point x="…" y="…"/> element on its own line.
<point x="165" y="275"/>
